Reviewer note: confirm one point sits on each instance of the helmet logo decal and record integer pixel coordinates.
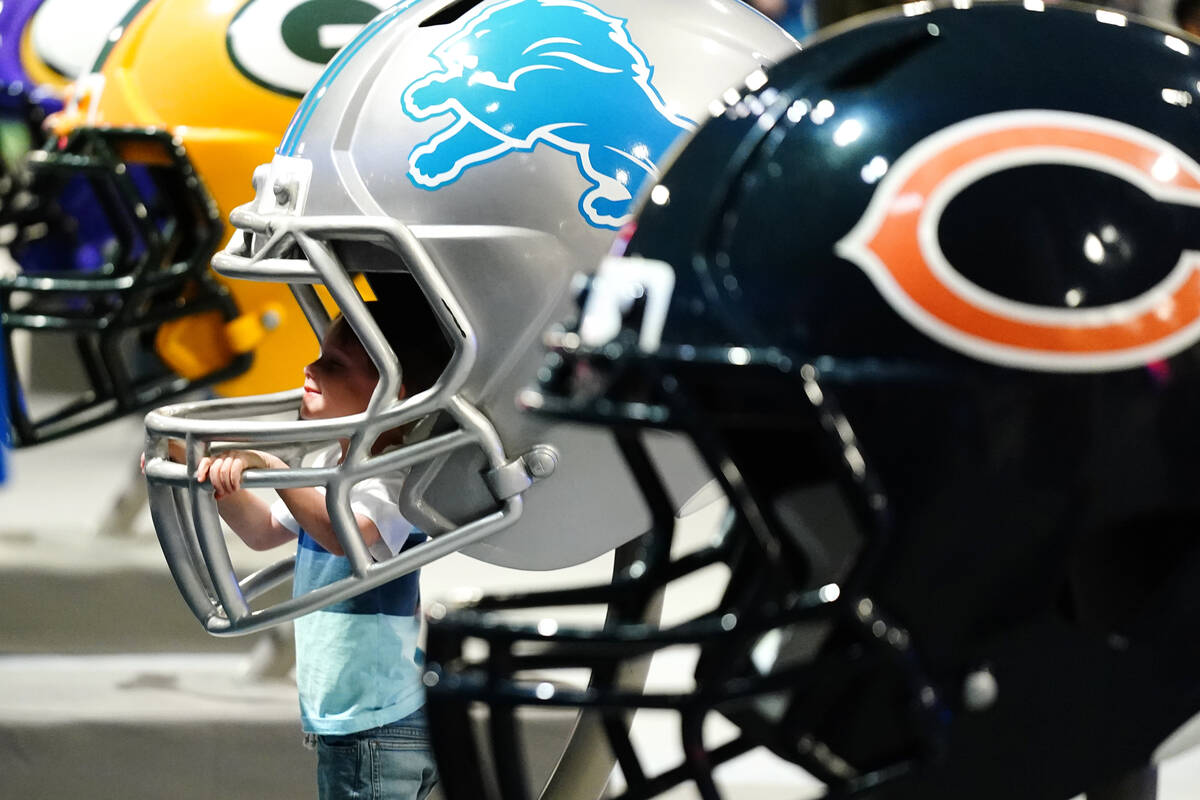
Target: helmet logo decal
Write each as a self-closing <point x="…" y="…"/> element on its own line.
<point x="524" y="72"/>
<point x="283" y="45"/>
<point x="896" y="243"/>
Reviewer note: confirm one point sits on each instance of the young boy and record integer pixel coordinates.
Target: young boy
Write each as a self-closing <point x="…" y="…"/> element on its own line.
<point x="357" y="672"/>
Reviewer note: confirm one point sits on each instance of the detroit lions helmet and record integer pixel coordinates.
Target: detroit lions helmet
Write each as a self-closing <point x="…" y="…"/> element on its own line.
<point x="146" y="160"/>
<point x="927" y="301"/>
<point x="489" y="150"/>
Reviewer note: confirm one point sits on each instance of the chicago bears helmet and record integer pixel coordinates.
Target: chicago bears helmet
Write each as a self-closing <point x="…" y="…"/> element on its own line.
<point x="927" y="301"/>
<point x="482" y="152"/>
<point x="146" y="160"/>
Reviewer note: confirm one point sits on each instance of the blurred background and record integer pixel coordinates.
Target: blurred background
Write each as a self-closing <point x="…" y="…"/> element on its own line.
<point x="109" y="688"/>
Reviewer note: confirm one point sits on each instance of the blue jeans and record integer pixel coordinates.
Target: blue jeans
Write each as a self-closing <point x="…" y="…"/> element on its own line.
<point x="391" y="762"/>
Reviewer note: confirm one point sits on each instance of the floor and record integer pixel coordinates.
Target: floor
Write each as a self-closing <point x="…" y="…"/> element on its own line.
<point x="108" y="688"/>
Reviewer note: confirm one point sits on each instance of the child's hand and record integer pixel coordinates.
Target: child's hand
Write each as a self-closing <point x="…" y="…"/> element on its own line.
<point x="175" y="452"/>
<point x="224" y="471"/>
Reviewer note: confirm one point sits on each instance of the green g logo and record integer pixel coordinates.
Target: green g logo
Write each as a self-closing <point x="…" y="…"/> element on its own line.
<point x="284" y="45"/>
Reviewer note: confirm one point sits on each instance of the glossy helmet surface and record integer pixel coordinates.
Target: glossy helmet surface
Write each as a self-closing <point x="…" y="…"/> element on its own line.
<point x="24" y="99"/>
<point x="152" y="152"/>
<point x="522" y="130"/>
<point x="40" y="53"/>
<point x="928" y="302"/>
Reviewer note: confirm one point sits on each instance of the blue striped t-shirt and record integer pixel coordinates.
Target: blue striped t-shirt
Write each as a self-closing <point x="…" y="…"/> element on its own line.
<point x="357" y="662"/>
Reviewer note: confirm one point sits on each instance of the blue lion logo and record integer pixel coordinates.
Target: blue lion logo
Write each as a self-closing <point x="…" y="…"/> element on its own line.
<point x="556" y="71"/>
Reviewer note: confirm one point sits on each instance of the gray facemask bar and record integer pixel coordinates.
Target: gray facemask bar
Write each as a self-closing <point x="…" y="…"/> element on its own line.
<point x="185" y="512"/>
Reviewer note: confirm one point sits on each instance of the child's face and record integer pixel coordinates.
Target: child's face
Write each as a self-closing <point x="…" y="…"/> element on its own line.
<point x="341" y="381"/>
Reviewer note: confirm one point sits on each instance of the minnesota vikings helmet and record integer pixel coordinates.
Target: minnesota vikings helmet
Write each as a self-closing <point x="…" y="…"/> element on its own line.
<point x="44" y="44"/>
<point x="146" y="160"/>
<point x="483" y="152"/>
<point x="24" y="102"/>
<point x="927" y="301"/>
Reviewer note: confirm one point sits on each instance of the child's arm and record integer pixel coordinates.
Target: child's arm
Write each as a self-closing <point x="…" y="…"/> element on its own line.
<point x="308" y="507"/>
<point x="245" y="513"/>
<point x="248" y="516"/>
<point x="306" y="504"/>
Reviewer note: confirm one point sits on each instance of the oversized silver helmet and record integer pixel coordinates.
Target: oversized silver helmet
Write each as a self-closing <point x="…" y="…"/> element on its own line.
<point x="489" y="150"/>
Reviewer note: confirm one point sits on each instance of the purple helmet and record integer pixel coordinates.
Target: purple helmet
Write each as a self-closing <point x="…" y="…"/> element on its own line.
<point x="20" y="89"/>
<point x="47" y="227"/>
<point x="23" y="105"/>
<point x="24" y="102"/>
<point x="39" y="56"/>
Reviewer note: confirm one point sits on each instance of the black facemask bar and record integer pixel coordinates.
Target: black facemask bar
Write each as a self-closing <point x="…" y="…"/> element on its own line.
<point x="761" y="598"/>
<point x="116" y="243"/>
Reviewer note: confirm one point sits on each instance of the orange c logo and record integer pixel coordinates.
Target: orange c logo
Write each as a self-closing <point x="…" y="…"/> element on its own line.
<point x="896" y="244"/>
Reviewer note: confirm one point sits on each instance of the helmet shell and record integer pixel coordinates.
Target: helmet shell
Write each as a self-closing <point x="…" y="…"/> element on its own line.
<point x="245" y="65"/>
<point x="944" y="263"/>
<point x="512" y="140"/>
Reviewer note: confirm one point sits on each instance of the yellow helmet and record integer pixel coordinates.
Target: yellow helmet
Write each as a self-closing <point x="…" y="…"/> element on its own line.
<point x="157" y="145"/>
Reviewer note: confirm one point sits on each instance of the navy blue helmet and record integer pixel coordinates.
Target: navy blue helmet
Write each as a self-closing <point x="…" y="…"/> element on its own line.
<point x="928" y="301"/>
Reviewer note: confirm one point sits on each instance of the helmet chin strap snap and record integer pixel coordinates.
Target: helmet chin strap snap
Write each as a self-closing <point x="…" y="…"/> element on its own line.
<point x="519" y="474"/>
